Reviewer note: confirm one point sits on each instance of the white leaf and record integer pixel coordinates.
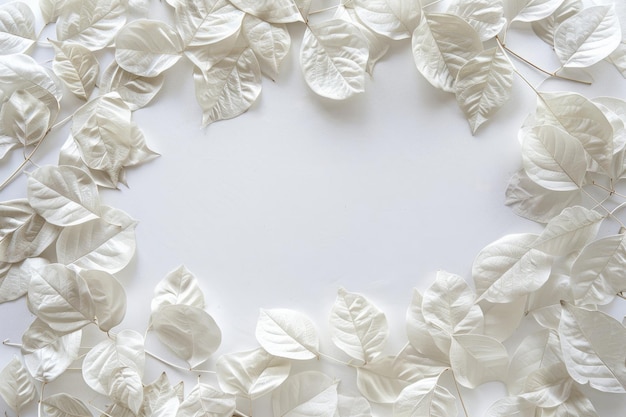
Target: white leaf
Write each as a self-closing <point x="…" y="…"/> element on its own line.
<point x="509" y="268"/>
<point x="352" y="407"/>
<point x="442" y="44"/>
<point x="512" y="407"/>
<point x="206" y="56"/>
<point x="275" y="11"/>
<point x="139" y="150"/>
<point x="485" y="16"/>
<point x="61" y="298"/>
<point x="576" y="405"/>
<point x="618" y="58"/>
<point x="147" y="47"/>
<point x="569" y="231"/>
<point x="593" y="348"/>
<point x="127" y="350"/>
<point x="91" y="23"/>
<point x="383" y="379"/>
<point x="63" y="195"/>
<point x="418" y="331"/>
<point x="587" y="37"/>
<point x="477" y="359"/>
<point x="124" y="387"/>
<point x="15" y="278"/>
<point x="23" y="233"/>
<point x="136" y="91"/>
<point x="357" y="326"/>
<point x="425" y="398"/>
<point x="287" y="333"/>
<point x="48" y="353"/>
<point x="160" y="398"/>
<point x="17" y="28"/>
<point x="16" y="387"/>
<point x="229" y="87"/>
<point x="107" y="243"/>
<point x="206" y="401"/>
<point x="180" y="286"/>
<point x="64" y="405"/>
<point x="25" y="117"/>
<point x="483" y="85"/>
<point x="553" y="159"/>
<point x="546" y="27"/>
<point x="531" y="10"/>
<point x="7" y="143"/>
<point x="307" y="394"/>
<point x="333" y="58"/>
<point x="270" y="42"/>
<point x="252" y="373"/>
<point x="548" y="386"/>
<point x="395" y="19"/>
<point x="77" y="66"/>
<point x="204" y="22"/>
<point x="501" y="320"/>
<point x="109" y="298"/>
<point x="189" y="332"/>
<point x="51" y="9"/>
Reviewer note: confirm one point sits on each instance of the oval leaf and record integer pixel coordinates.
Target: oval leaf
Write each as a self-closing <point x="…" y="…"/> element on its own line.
<point x="485" y="16"/>
<point x="15" y="278"/>
<point x="136" y="91"/>
<point x="206" y="401"/>
<point x="569" y="231"/>
<point x="25" y="117"/>
<point x="64" y="405"/>
<point x="201" y="22"/>
<point x="91" y="23"/>
<point x="16" y="387"/>
<point x="425" y="398"/>
<point x="287" y="333"/>
<point x="17" y="28"/>
<point x="270" y="43"/>
<point x="307" y="394"/>
<point x="109" y="298"/>
<point x="395" y="19"/>
<point x="477" y="359"/>
<point x="77" y="66"/>
<point x="178" y="287"/>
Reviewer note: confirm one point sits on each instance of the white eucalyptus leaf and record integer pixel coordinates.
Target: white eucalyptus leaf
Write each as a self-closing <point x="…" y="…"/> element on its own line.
<point x="147" y="47"/>
<point x="107" y="243"/>
<point x="383" y="379"/>
<point x="17" y="28"/>
<point x="425" y="398"/>
<point x="287" y="333"/>
<point x="587" y="37"/>
<point x="25" y="118"/>
<point x="91" y="23"/>
<point x="63" y="195"/>
<point x="109" y="298"/>
<point x="136" y="91"/>
<point x="569" y="231"/>
<point x="275" y="11"/>
<point x="189" y="332"/>
<point x="333" y="57"/>
<point x="576" y="405"/>
<point x="485" y="16"/>
<point x="501" y="320"/>
<point x="252" y="373"/>
<point x="548" y="386"/>
<point x="418" y="330"/>
<point x="64" y="405"/>
<point x="60" y="297"/>
<point x="357" y="326"/>
<point x="269" y="41"/>
<point x="180" y="286"/>
<point x="15" y="279"/>
<point x="23" y="233"/>
<point x="307" y="394"/>
<point x="352" y="407"/>
<point x="77" y="66"/>
<point x="160" y="399"/>
<point x="126" y="351"/>
<point x="230" y="87"/>
<point x="477" y="359"/>
<point x="512" y="407"/>
<point x="483" y="85"/>
<point x="16" y="387"/>
<point x="532" y="10"/>
<point x="546" y="27"/>
<point x="395" y="19"/>
<point x="593" y="343"/>
<point x="442" y="44"/>
<point x="47" y="353"/>
<point x="206" y="401"/>
<point x="204" y="22"/>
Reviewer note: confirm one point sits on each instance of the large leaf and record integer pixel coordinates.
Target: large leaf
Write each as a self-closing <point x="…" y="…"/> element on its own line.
<point x="357" y="326"/>
<point x="485" y="16"/>
<point x="17" y="28"/>
<point x="180" y="286"/>
<point x="91" y="23"/>
<point x="269" y="41"/>
<point x="477" y="359"/>
<point x="77" y="66"/>
<point x="418" y="330"/>
<point x="333" y="58"/>
<point x="425" y="398"/>
<point x="206" y="401"/>
<point x="395" y="19"/>
<point x="569" y="231"/>
<point x="548" y="386"/>
<point x="16" y="387"/>
<point x="587" y="37"/>
<point x="307" y="394"/>
<point x="109" y="298"/>
<point x="275" y="11"/>
<point x="287" y="333"/>
<point x="25" y="118"/>
<point x="204" y="22"/>
<point x="136" y="91"/>
<point x="64" y="405"/>
<point x="15" y="278"/>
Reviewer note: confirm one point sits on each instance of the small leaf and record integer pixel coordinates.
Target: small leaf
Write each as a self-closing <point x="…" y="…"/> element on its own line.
<point x="64" y="405"/>
<point x="275" y="11"/>
<point x="125" y="388"/>
<point x="91" y="23"/>
<point x="136" y="91"/>
<point x="178" y="287"/>
<point x="270" y="42"/>
<point x="532" y="10"/>
<point x="546" y="27"/>
<point x="17" y="28"/>
<point x="288" y="334"/>
<point x="206" y="401"/>
<point x="160" y="398"/>
<point x="25" y="117"/>
<point x="15" y="278"/>
<point x="16" y="387"/>
<point x="77" y="66"/>
<point x="109" y="298"/>
<point x="307" y="394"/>
<point x="477" y="359"/>
<point x="395" y="19"/>
<point x="425" y="398"/>
<point x="569" y="231"/>
<point x="202" y="22"/>
<point x="485" y="16"/>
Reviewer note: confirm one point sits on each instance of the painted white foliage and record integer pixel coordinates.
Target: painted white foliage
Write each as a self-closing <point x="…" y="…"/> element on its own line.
<point x="477" y="359"/>
<point x="136" y="91"/>
<point x="16" y="387"/>
<point x="92" y="23"/>
<point x="425" y="398"/>
<point x="287" y="333"/>
<point x="352" y="407"/>
<point x="532" y="10"/>
<point x="419" y="331"/>
<point x="383" y="379"/>
<point x="17" y="28"/>
<point x="77" y="66"/>
<point x="307" y="394"/>
<point x="15" y="278"/>
<point x="275" y="11"/>
<point x="180" y="286"/>
<point x="546" y="27"/>
<point x="485" y="16"/>
<point x="548" y="386"/>
<point x="269" y="41"/>
<point x="206" y="401"/>
<point x="109" y="298"/>
<point x="64" y="405"/>
<point x="160" y="398"/>
<point x="25" y="118"/>
<point x="201" y="22"/>
<point x="569" y="231"/>
<point x="396" y="19"/>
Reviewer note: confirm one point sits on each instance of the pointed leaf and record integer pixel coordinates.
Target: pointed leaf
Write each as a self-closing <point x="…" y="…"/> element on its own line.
<point x="383" y="379"/>
<point x="136" y="91"/>
<point x="477" y="359"/>
<point x="91" y="23"/>
<point x="287" y="333"/>
<point x="425" y="398"/>
<point x="201" y="22"/>
<point x="532" y="10"/>
<point x="51" y="9"/>
<point x="64" y="405"/>
<point x="548" y="386"/>
<point x="275" y="11"/>
<point x="569" y="231"/>
<point x="77" y="66"/>
<point x="576" y="405"/>
<point x="546" y="27"/>
<point x="206" y="401"/>
<point x="485" y="16"/>
<point x="109" y="298"/>
<point x="25" y="117"/>
<point x="15" y="278"/>
<point x="160" y="398"/>
<point x="180" y="286"/>
<point x="17" y="28"/>
<point x="16" y="387"/>
<point x="270" y="43"/>
<point x="307" y="394"/>
<point x="395" y="19"/>
<point x="125" y="388"/>
<point x="418" y="331"/>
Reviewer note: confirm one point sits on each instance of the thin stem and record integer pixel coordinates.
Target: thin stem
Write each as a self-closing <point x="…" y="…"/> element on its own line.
<point x="339" y="361"/>
<point x="173" y="365"/>
<point x="40" y="405"/>
<point x="7" y="342"/>
<point x="599" y="204"/>
<point x="458" y="390"/>
<point x="608" y="190"/>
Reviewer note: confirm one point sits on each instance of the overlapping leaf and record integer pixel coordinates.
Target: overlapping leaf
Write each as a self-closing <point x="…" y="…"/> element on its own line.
<point x="569" y="231"/>
<point x="395" y="19"/>
<point x="17" y="28"/>
<point x="178" y="287"/>
<point x="287" y="333"/>
<point x="16" y="387"/>
<point x="15" y="278"/>
<point x="307" y="394"/>
<point x="92" y="23"/>
<point x="206" y="401"/>
<point x="485" y="16"/>
<point x="64" y="405"/>
<point x="136" y="91"/>
<point x="275" y="11"/>
<point x="546" y="27"/>
<point x="269" y="41"/>
<point x="201" y="22"/>
<point x="77" y="66"/>
<point x="109" y="298"/>
<point x="425" y="398"/>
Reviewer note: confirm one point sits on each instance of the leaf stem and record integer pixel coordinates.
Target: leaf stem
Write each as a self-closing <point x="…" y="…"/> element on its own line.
<point x="621" y="295"/>
<point x="608" y="190"/>
<point x="173" y="365"/>
<point x="599" y="204"/>
<point x="7" y="342"/>
<point x="458" y="390"/>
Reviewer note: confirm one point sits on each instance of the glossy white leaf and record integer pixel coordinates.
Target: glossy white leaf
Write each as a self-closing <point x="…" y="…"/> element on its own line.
<point x="109" y="298"/>
<point x="593" y="348"/>
<point x="425" y="398"/>
<point x="483" y="85"/>
<point x="91" y="23"/>
<point x="352" y="407"/>
<point x="147" y="47"/>
<point x="618" y="58"/>
<point x="206" y="401"/>
<point x="136" y="91"/>
<point x="537" y="350"/>
<point x="576" y="405"/>
<point x="587" y="37"/>
<point x="77" y="66"/>
<point x="275" y="11"/>
<point x="333" y="57"/>
<point x="396" y="19"/>
<point x="418" y="331"/>
<point x="15" y="278"/>
<point x="206" y="56"/>
<point x="204" y="22"/>
<point x="546" y="27"/>
<point x="307" y="394"/>
<point x="383" y="379"/>
<point x="477" y="359"/>
<point x="415" y="366"/>
<point x="501" y="320"/>
<point x="252" y="373"/>
<point x="532" y="10"/>
<point x="25" y="117"/>
<point x="512" y="407"/>
<point x="189" y="332"/>
<point x="16" y="387"/>
<point x="569" y="231"/>
<point x="160" y="398"/>
<point x="548" y="386"/>
<point x="107" y="243"/>
<point x="442" y="44"/>
<point x="124" y="387"/>
<point x="229" y="87"/>
<point x="180" y="286"/>
<point x="48" y="353"/>
<point x="64" y="405"/>
<point x="485" y="16"/>
<point x="17" y="28"/>
<point x="51" y="9"/>
<point x="7" y="143"/>
<point x="269" y="41"/>
<point x="287" y="333"/>
<point x="60" y="297"/>
<point x="357" y="326"/>
<point x="126" y="351"/>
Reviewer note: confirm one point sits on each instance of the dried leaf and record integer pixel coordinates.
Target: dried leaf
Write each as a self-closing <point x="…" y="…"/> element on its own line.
<point x="108" y="296"/>
<point x="307" y="394"/>
<point x="425" y="398"/>
<point x="64" y="405"/>
<point x="17" y="28"/>
<point x="206" y="401"/>
<point x="201" y="22"/>
<point x="569" y="231"/>
<point x="16" y="387"/>
<point x="77" y="66"/>
<point x="395" y="19"/>
<point x="287" y="333"/>
<point x="160" y="398"/>
<point x="91" y="23"/>
<point x="136" y="91"/>
<point x="125" y="388"/>
<point x="180" y="286"/>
